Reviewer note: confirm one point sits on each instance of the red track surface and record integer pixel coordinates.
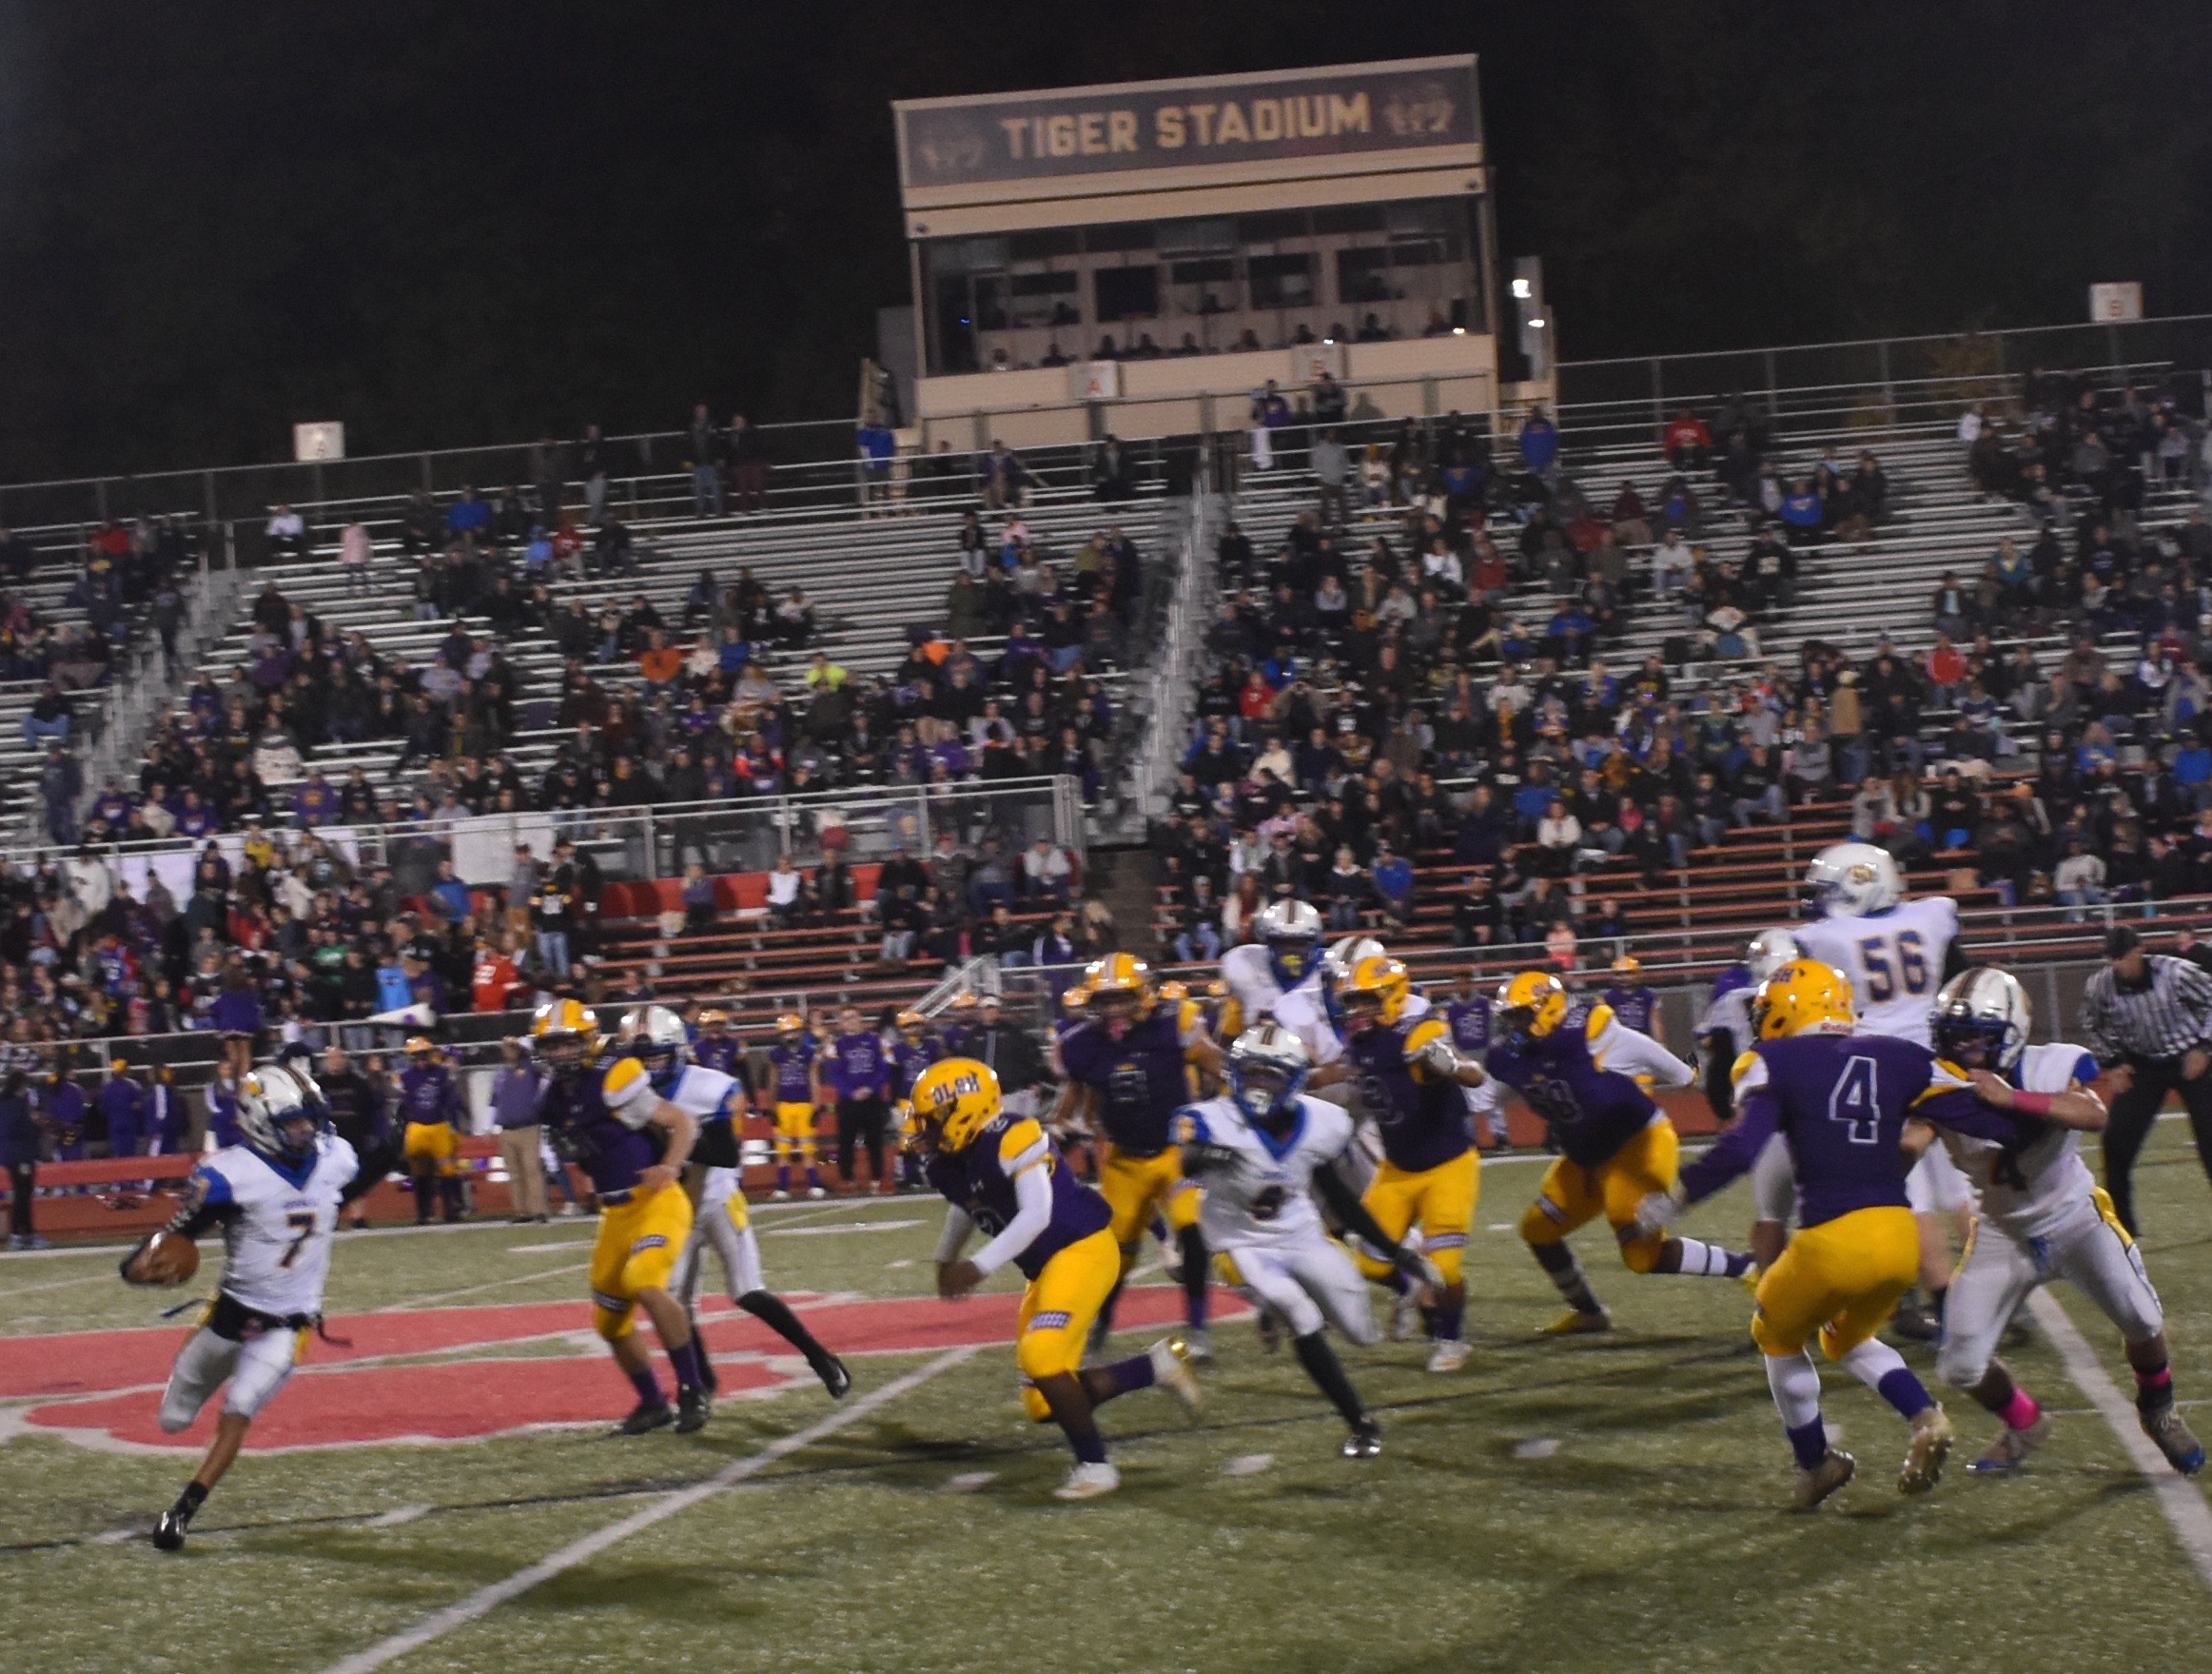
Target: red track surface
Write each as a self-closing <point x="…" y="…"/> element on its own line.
<point x="98" y="1381"/>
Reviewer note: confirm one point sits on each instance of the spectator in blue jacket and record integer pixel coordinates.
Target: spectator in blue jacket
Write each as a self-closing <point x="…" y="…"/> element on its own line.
<point x="449" y="896"/>
<point x="1540" y="442"/>
<point x="467" y="515"/>
<point x="1803" y="512"/>
<point x="1394" y="885"/>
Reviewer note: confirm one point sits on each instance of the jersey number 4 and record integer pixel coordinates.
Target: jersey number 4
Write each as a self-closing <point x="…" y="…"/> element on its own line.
<point x="1856" y="1101"/>
<point x="1892" y="966"/>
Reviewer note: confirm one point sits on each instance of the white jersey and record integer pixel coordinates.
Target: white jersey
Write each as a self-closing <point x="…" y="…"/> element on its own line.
<point x="1264" y="1196"/>
<point x="1250" y="974"/>
<point x="277" y="1243"/>
<point x="703" y="1094"/>
<point x="2058" y="1188"/>
<point x="1894" y="960"/>
<point x="1732" y="1012"/>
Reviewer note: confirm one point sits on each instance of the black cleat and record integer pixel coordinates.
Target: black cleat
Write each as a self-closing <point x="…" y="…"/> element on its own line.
<point x="1914" y="1321"/>
<point x="834" y="1377"/>
<point x="1366" y="1440"/>
<point x="644" y="1419"/>
<point x="168" y="1531"/>
<point x="707" y="1373"/>
<point x="691" y="1406"/>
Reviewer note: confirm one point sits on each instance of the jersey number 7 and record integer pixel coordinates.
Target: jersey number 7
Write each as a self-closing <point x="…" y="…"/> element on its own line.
<point x="1889" y="965"/>
<point x="302" y="1226"/>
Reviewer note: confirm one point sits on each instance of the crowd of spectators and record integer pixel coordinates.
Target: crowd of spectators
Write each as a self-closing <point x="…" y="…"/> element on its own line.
<point x="1397" y="689"/>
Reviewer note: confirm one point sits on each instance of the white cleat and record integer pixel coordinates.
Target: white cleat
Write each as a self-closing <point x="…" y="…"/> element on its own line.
<point x="1088" y="1482"/>
<point x="1199" y="1344"/>
<point x="780" y="1195"/>
<point x="816" y="1192"/>
<point x="1171" y="1360"/>
<point x="1448" y="1354"/>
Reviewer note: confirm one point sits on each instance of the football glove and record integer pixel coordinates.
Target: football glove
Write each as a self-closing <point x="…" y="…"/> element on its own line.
<point x="1657" y="1210"/>
<point x="1418" y="1267"/>
<point x="1439" y="1057"/>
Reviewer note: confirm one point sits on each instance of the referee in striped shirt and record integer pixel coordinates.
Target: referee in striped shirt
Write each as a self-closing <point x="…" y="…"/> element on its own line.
<point x="2149" y="1016"/>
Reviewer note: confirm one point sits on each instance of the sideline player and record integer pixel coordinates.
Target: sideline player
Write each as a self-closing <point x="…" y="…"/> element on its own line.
<point x="1263" y="1152"/>
<point x="1632" y="999"/>
<point x="795" y="1065"/>
<point x="855" y="1066"/>
<point x="713" y="1181"/>
<point x="915" y="1050"/>
<point x="430" y="1106"/>
<point x="1408" y="1075"/>
<point x="1841" y="1099"/>
<point x="1001" y="1174"/>
<point x="1127" y="1062"/>
<point x="1897" y="953"/>
<point x="2044" y="1217"/>
<point x="276" y="1196"/>
<point x="603" y="1113"/>
<point x="1616" y="1146"/>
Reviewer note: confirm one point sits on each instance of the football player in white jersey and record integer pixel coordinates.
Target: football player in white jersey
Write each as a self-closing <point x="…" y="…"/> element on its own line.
<point x="1285" y="956"/>
<point x="722" y="1219"/>
<point x="2043" y="1217"/>
<point x="1263" y="1152"/>
<point x="1897" y="953"/>
<point x="276" y="1196"/>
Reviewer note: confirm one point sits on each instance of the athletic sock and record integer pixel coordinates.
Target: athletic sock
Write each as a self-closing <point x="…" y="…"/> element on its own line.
<point x="1106" y="1381"/>
<point x="1395" y="1283"/>
<point x="194" y="1496"/>
<point x="1444" y="1321"/>
<point x="423" y="1200"/>
<point x="2154" y="1390"/>
<point x="2021" y="1411"/>
<point x="1808" y="1443"/>
<point x="783" y="1176"/>
<point x="685" y="1359"/>
<point x="1883" y="1370"/>
<point x="774" y="1313"/>
<point x="648" y="1388"/>
<point x="813" y="1178"/>
<point x="1566" y="1273"/>
<point x="1905" y="1392"/>
<point x="1327" y="1372"/>
<point x="1194" y="1276"/>
<point x="1088" y="1445"/>
<point x="1701" y="1260"/>
<point x="1795" y="1384"/>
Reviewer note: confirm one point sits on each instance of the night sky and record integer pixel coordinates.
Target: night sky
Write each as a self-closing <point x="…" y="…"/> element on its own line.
<point x="469" y="222"/>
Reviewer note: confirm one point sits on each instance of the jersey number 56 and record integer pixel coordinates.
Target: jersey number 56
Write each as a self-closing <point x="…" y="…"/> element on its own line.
<point x="1892" y="964"/>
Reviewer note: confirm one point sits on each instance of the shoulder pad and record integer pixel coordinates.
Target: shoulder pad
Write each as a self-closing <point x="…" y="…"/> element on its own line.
<point x="1599" y="1020"/>
<point x="1189" y="1019"/>
<point x="1429" y="1028"/>
<point x="1022" y="1135"/>
<point x="1189" y="1126"/>
<point x="1745" y="1061"/>
<point x="626" y="1084"/>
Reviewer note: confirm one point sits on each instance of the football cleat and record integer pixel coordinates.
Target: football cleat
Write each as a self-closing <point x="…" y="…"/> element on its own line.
<point x="1814" y="1485"/>
<point x="2010" y="1448"/>
<point x="834" y="1377"/>
<point x="644" y="1419"/>
<point x="1171" y="1360"/>
<point x="1199" y="1344"/>
<point x="1364" y="1441"/>
<point x="1405" y="1318"/>
<point x="1913" y="1321"/>
<point x="816" y="1192"/>
<point x="780" y="1195"/>
<point x="2183" y="1450"/>
<point x="168" y="1529"/>
<point x="691" y="1406"/>
<point x="1088" y="1482"/>
<point x="1575" y="1323"/>
<point x="1448" y="1354"/>
<point x="1933" y="1436"/>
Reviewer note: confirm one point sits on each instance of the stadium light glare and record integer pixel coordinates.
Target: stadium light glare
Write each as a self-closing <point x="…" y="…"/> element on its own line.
<point x="1535" y="325"/>
<point x="1522" y="290"/>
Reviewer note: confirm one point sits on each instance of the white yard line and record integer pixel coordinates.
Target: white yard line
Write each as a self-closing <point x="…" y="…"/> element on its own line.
<point x="543" y="1272"/>
<point x="484" y="1600"/>
<point x="2176" y="1495"/>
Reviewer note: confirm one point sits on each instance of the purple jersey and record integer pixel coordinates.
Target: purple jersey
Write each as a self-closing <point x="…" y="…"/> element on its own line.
<point x="427" y="1094"/>
<point x="1470" y="1025"/>
<point x="1635" y="1007"/>
<point x="609" y="1149"/>
<point x="793" y="1060"/>
<point x="909" y="1058"/>
<point x="1139" y="1079"/>
<point x="718" y="1052"/>
<point x="975" y="1180"/>
<point x="1591" y="1113"/>
<point x="1841" y="1102"/>
<point x="855" y="1065"/>
<point x="1423" y="1119"/>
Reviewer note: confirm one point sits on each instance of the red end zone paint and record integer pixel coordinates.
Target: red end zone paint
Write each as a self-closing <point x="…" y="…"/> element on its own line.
<point x="342" y="1398"/>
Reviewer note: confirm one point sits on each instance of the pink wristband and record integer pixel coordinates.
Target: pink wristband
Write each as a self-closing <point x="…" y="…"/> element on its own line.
<point x="2032" y="1104"/>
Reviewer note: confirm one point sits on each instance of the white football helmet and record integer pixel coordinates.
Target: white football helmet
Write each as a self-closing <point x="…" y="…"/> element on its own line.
<point x="657" y="1037"/>
<point x="1981" y="1021"/>
<point x="1339" y="962"/>
<point x="1268" y="1065"/>
<point x="1854" y="879"/>
<point x="271" y="1109"/>
<point x="1291" y="930"/>
<point x="1769" y="951"/>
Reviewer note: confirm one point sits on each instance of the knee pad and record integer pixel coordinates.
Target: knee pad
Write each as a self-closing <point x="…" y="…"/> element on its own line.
<point x="1539" y="1223"/>
<point x="613" y="1324"/>
<point x="1961" y="1372"/>
<point x="1640" y="1255"/>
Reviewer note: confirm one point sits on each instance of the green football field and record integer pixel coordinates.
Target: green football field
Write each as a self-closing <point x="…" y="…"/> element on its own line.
<point x="1594" y="1504"/>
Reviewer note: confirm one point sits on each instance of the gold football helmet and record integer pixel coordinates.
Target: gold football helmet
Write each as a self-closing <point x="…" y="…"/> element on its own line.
<point x="1530" y="1006"/>
<point x="1377" y="989"/>
<point x="954" y="1100"/>
<point x="1803" y="997"/>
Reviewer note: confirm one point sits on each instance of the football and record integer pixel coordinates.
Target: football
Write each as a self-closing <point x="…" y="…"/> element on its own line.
<point x="168" y="1258"/>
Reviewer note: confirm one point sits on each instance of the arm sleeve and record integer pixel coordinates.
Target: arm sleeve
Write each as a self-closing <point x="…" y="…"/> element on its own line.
<point x="1033" y="1194"/>
<point x="1619" y="1048"/>
<point x="958" y="1224"/>
<point x="1758" y="1116"/>
<point x="1351" y="1213"/>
